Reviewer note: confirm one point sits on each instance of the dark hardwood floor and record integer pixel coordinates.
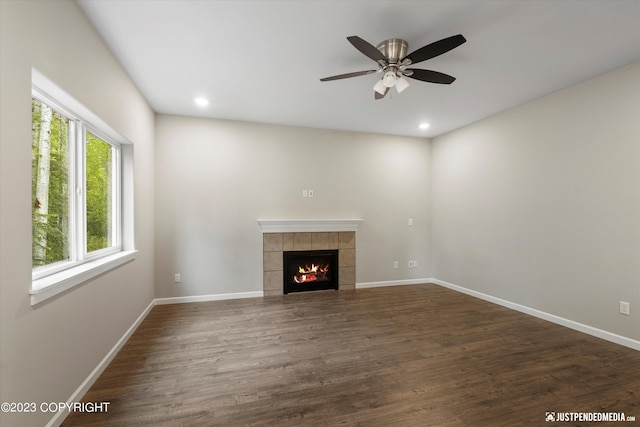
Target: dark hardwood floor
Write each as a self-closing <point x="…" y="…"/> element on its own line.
<point x="418" y="355"/>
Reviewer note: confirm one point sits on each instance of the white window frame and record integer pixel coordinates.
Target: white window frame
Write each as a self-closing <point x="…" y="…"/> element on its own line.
<point x="115" y="202"/>
<point x="53" y="279"/>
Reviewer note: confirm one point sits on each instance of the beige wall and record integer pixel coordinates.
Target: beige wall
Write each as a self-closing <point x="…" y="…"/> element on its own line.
<point x="216" y="178"/>
<point x="47" y="351"/>
<point x="540" y="205"/>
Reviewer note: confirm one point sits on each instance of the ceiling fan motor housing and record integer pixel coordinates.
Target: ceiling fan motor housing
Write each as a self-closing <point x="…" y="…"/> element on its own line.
<point x="393" y="49"/>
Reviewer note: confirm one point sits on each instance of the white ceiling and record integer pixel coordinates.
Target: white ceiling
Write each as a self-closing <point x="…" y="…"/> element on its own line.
<point x="261" y="61"/>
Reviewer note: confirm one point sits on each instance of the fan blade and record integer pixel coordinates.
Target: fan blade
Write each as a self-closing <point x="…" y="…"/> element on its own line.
<point x="436" y="48"/>
<point x="347" y="75"/>
<point x="381" y="95"/>
<point x="430" y="76"/>
<point x="366" y="48"/>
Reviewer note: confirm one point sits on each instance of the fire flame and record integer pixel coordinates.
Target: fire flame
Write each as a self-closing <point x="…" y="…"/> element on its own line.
<point x="313" y="273"/>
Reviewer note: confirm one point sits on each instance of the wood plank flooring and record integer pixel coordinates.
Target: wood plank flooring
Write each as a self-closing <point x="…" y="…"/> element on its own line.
<point x="418" y="355"/>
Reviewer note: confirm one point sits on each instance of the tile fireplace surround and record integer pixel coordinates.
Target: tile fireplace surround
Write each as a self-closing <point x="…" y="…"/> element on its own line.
<point x="301" y="235"/>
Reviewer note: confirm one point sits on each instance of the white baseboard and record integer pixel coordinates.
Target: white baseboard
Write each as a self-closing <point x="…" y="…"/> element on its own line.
<point x="203" y="298"/>
<point x="590" y="330"/>
<point x="93" y="376"/>
<point x="366" y="285"/>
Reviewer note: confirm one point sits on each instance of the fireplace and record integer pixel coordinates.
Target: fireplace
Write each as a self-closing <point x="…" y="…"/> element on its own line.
<point x="310" y="270"/>
<point x="283" y="235"/>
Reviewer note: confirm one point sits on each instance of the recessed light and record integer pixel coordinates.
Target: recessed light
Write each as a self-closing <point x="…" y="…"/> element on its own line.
<point x="201" y="101"/>
<point x="423" y="126"/>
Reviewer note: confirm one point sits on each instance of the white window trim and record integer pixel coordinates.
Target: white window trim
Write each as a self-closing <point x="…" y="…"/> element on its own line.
<point x="45" y="287"/>
<point x="54" y="284"/>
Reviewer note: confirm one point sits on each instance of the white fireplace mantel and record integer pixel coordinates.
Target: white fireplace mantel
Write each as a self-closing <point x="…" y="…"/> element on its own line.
<point x="308" y="225"/>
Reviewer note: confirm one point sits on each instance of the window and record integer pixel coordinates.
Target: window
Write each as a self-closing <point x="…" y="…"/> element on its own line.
<point x="75" y="182"/>
<point x="81" y="174"/>
<point x="101" y="195"/>
<point x="49" y="184"/>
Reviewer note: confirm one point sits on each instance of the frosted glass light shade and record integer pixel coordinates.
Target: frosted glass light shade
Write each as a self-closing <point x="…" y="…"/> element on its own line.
<point x="402" y="84"/>
<point x="380" y="87"/>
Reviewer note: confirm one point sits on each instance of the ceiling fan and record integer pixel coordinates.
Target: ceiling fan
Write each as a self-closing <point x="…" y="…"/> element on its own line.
<point x="391" y="56"/>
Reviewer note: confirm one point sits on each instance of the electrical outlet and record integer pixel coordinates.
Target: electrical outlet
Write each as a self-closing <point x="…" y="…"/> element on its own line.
<point x="310" y="193"/>
<point x="625" y="308"/>
<point x="395" y="264"/>
<point x="410" y="222"/>
<point x="415" y="263"/>
<point x="177" y="278"/>
<point x="410" y="264"/>
<point x="305" y="193"/>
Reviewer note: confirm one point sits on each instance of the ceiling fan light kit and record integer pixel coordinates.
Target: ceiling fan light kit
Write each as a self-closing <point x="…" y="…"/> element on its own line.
<point x="391" y="56"/>
<point x="390" y="77"/>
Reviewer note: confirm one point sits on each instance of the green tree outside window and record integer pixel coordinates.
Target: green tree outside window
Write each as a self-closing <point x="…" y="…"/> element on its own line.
<point x="99" y="161"/>
<point x="50" y="185"/>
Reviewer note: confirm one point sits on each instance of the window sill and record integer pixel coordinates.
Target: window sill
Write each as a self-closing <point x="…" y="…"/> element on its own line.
<point x="50" y="286"/>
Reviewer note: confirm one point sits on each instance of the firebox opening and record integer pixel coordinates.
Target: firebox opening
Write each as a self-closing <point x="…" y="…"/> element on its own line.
<point x="310" y="270"/>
